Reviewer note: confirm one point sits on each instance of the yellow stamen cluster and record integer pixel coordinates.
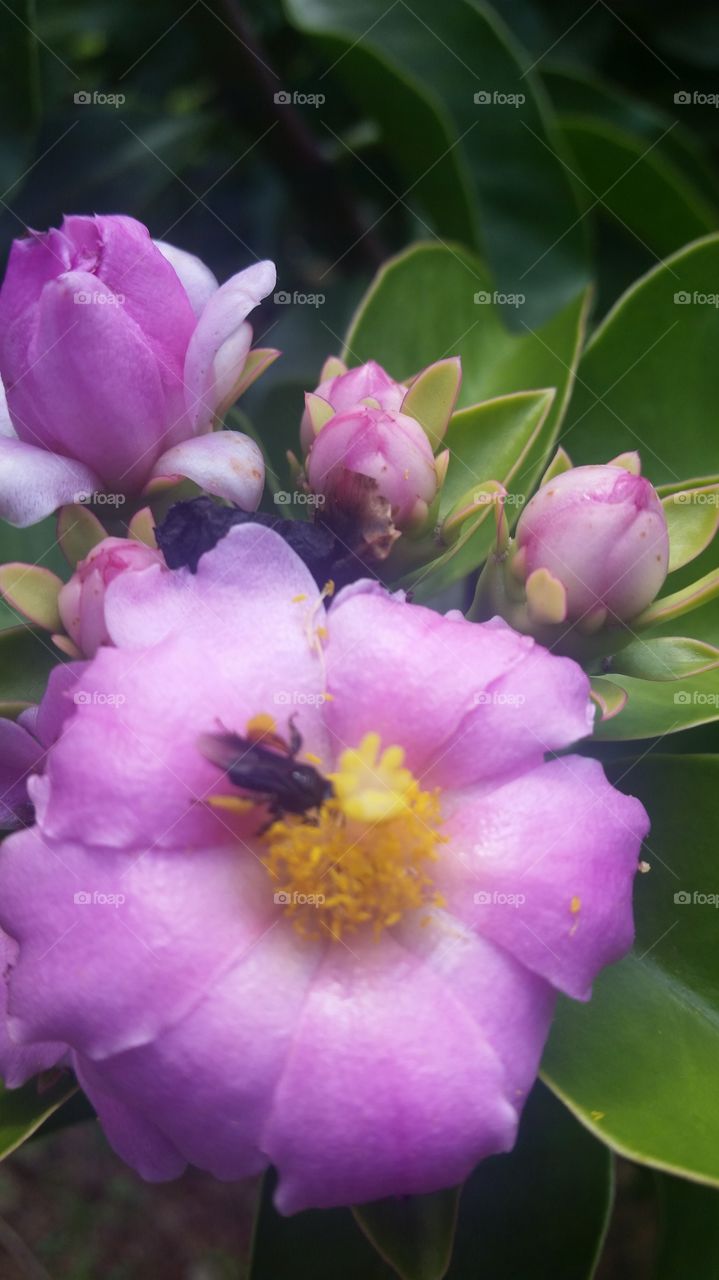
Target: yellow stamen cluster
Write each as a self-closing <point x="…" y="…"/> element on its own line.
<point x="362" y="863"/>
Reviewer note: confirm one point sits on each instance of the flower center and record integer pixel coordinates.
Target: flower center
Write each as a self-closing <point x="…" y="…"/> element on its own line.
<point x="364" y="861"/>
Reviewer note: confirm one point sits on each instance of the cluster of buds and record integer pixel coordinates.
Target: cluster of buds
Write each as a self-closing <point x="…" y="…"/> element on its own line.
<point x="372" y="450"/>
<point x="590" y="553"/>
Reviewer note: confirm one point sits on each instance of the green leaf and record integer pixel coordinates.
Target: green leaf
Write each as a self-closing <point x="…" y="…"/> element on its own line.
<point x="649" y="378"/>
<point x="638" y="1063"/>
<point x="490" y="441"/>
<point x="414" y="1234"/>
<point x="32" y="591"/>
<point x="396" y="325"/>
<point x="78" y="531"/>
<point x="19" y="93"/>
<point x="502" y="159"/>
<point x="657" y="707"/>
<point x="666" y="658"/>
<point x="539" y="1213"/>
<point x="693" y="518"/>
<point x="24" y="1110"/>
<point x="574" y="94"/>
<point x="638" y="186"/>
<point x="320" y="1244"/>
<point x="36" y="545"/>
<point x="689" y="1239"/>
<point x="432" y="397"/>
<point x="26" y="660"/>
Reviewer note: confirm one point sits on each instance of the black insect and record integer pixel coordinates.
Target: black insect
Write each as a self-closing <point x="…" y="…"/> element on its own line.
<point x="269" y="769"/>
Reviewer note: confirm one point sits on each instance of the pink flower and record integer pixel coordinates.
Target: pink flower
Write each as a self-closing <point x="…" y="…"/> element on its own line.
<point x="363" y="1001"/>
<point x="601" y="532"/>
<point x="116" y="355"/>
<point x="81" y="601"/>
<point x="348" y="387"/>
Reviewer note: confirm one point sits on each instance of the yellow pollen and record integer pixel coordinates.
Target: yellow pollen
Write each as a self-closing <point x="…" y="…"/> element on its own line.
<point x="235" y="804"/>
<point x="261" y="725"/>
<point x="298" y="599"/>
<point x="364" y="861"/>
<point x="575" y="905"/>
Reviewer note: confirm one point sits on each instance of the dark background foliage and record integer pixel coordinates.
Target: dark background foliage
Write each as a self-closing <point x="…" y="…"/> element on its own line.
<point x="614" y="173"/>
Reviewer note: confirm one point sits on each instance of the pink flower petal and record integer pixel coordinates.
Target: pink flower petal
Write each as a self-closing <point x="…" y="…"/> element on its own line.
<point x="544" y="866"/>
<point x="222" y="330"/>
<point x="196" y="279"/>
<point x="390" y="1088"/>
<point x="145" y="932"/>
<point x="474" y="702"/>
<point x="248" y="650"/>
<point x="223" y="1059"/>
<point x="19" y="1062"/>
<point x="34" y="482"/>
<point x="227" y="464"/>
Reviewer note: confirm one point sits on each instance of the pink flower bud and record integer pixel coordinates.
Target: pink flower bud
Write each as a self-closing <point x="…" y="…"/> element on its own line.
<point x="601" y="532"/>
<point x="82" y="600"/>
<point x="387" y="450"/>
<point x="346" y="390"/>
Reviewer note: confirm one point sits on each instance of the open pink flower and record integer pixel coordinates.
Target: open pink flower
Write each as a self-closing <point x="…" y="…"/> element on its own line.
<point x="369" y="1022"/>
<point x="116" y="355"/>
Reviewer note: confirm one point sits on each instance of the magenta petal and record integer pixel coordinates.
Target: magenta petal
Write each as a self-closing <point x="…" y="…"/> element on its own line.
<point x="242" y="646"/>
<point x="390" y="1089"/>
<point x="132" y="1135"/>
<point x="223" y="1060"/>
<point x="6" y="427"/>
<point x="512" y="1006"/>
<point x="20" y="755"/>
<point x="146" y="933"/>
<point x="19" y="1062"/>
<point x="196" y="279"/>
<point x="112" y="412"/>
<point x="34" y="482"/>
<point x="544" y="866"/>
<point x="220" y="343"/>
<point x="476" y="700"/>
<point x="252" y="564"/>
<point x="227" y="464"/>
<point x="120" y="253"/>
